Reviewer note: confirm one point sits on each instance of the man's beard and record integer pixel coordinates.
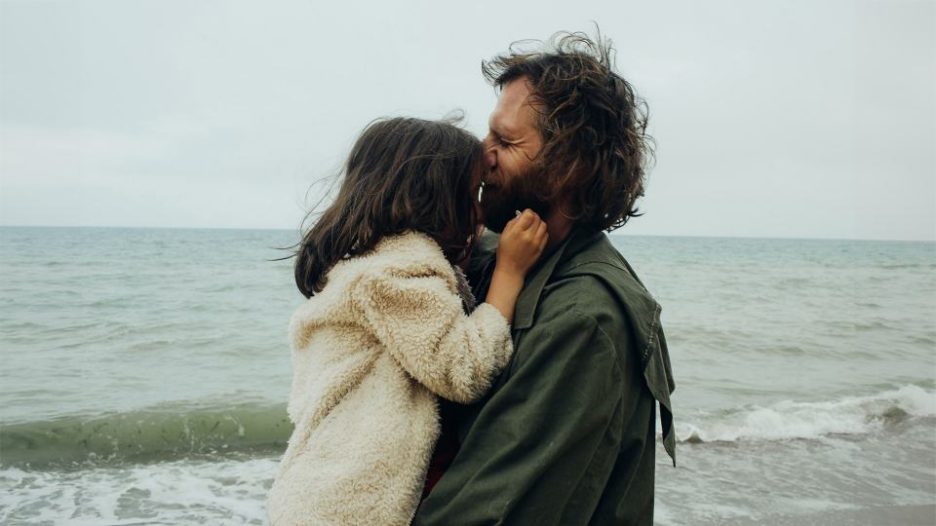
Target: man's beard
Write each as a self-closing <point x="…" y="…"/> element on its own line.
<point x="500" y="203"/>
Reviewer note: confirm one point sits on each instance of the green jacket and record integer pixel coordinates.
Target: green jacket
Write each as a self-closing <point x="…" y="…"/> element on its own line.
<point x="566" y="434"/>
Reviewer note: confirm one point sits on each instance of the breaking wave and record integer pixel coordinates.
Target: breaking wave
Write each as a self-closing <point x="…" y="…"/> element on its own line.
<point x="811" y="420"/>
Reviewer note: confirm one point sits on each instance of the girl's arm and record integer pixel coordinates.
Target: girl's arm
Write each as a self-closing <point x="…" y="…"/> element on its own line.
<point x="420" y="321"/>
<point x="520" y="245"/>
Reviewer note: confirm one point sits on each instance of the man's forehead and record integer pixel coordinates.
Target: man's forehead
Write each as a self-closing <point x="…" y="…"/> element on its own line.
<point x="513" y="110"/>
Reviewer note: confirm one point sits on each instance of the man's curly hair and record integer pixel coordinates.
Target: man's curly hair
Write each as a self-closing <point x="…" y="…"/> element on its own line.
<point x="592" y="122"/>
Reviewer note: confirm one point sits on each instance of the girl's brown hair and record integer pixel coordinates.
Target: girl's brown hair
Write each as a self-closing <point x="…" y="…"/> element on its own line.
<point x="402" y="174"/>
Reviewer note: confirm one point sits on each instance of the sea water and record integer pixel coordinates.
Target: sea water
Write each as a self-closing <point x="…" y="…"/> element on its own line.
<point x="145" y="374"/>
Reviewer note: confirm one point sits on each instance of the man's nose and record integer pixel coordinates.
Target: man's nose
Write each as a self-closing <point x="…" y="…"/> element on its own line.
<point x="490" y="158"/>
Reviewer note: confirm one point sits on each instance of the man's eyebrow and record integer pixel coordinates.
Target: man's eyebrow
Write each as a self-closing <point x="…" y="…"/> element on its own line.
<point x="493" y="125"/>
<point x="497" y="128"/>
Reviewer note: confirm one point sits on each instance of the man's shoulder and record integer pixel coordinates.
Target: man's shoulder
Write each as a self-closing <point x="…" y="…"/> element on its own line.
<point x="583" y="299"/>
<point x="598" y="278"/>
<point x="598" y="256"/>
<point x="580" y="293"/>
<point x="597" y="282"/>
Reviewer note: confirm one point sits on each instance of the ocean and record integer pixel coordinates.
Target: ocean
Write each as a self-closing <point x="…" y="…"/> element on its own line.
<point x="145" y="374"/>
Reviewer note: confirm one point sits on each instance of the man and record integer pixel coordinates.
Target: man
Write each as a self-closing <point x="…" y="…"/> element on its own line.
<point x="567" y="433"/>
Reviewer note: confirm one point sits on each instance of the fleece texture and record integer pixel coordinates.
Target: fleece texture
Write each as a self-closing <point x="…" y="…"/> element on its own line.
<point x="371" y="353"/>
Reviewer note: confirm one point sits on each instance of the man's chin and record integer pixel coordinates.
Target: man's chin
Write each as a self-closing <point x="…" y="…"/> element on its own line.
<point x="496" y="220"/>
<point x="499" y="205"/>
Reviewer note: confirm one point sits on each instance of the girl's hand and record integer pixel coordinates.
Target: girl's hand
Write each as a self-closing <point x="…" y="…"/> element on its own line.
<point x="521" y="243"/>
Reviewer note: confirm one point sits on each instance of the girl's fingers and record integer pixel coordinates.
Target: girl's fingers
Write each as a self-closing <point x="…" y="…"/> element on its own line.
<point x="541" y="235"/>
<point x="510" y="224"/>
<point x="526" y="219"/>
<point x="541" y="229"/>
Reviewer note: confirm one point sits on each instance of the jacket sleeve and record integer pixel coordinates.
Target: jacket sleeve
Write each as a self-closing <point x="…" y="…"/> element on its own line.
<point x="544" y="444"/>
<point x="421" y="323"/>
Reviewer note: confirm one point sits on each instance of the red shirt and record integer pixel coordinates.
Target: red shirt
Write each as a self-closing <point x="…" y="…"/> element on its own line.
<point x="446" y="448"/>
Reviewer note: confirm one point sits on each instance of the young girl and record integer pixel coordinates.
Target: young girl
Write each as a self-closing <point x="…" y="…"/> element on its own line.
<point x="384" y="331"/>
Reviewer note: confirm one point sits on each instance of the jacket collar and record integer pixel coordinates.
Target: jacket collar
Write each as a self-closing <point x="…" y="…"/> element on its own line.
<point x="529" y="297"/>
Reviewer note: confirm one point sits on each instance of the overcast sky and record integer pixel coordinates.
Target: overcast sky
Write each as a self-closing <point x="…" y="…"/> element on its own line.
<point x="772" y="118"/>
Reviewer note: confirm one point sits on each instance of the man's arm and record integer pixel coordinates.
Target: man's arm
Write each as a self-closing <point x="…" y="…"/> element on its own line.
<point x="545" y="443"/>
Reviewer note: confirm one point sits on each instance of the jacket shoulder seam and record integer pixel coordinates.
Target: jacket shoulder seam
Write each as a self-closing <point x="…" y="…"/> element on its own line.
<point x="598" y="262"/>
<point x="608" y="342"/>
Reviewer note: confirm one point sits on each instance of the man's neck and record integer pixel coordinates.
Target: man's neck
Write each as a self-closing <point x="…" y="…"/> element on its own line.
<point x="559" y="228"/>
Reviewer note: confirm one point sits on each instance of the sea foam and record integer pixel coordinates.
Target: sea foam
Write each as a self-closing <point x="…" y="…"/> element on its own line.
<point x="788" y="420"/>
<point x="178" y="492"/>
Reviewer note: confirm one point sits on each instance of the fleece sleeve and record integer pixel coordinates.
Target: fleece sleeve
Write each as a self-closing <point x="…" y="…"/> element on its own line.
<point x="421" y="323"/>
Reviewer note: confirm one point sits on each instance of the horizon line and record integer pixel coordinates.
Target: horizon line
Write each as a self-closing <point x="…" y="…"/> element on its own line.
<point x="613" y="233"/>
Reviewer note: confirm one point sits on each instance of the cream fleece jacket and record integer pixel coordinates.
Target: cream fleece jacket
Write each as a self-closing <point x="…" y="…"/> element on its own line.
<point x="371" y="352"/>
